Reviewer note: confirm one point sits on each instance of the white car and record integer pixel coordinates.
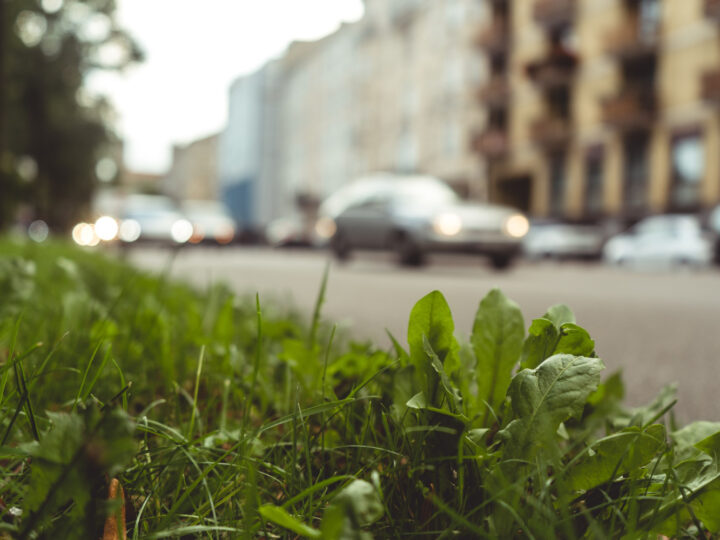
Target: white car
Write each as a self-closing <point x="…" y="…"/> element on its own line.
<point x="415" y="215"/>
<point x="153" y="218"/>
<point x="661" y="241"/>
<point x="211" y="221"/>
<point x="558" y="240"/>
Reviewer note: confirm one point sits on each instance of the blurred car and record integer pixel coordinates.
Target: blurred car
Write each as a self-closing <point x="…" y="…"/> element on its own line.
<point x="211" y="221"/>
<point x="663" y="240"/>
<point x="415" y="215"/>
<point x="153" y="218"/>
<point x="559" y="240"/>
<point x="290" y="231"/>
<point x="713" y="224"/>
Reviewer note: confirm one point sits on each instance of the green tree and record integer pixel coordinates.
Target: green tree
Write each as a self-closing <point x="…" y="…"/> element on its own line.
<point x="51" y="133"/>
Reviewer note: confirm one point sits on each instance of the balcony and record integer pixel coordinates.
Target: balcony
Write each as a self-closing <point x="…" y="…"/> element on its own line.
<point x="554" y="14"/>
<point x="712" y="10"/>
<point x="555" y="70"/>
<point x="493" y="39"/>
<point x="551" y="132"/>
<point x="633" y="42"/>
<point x="711" y="86"/>
<point x="493" y="143"/>
<point x="496" y="93"/>
<point x="631" y="110"/>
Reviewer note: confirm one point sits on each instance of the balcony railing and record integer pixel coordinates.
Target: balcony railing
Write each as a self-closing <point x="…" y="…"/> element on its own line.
<point x="551" y="132"/>
<point x="493" y="143"/>
<point x="633" y="41"/>
<point x="493" y="39"/>
<point x="553" y="14"/>
<point x="711" y="86"/>
<point x="712" y="9"/>
<point x="496" y="93"/>
<point x="631" y="110"/>
<point x="557" y="69"/>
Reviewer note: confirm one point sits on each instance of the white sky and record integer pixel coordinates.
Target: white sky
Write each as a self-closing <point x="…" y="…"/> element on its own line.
<point x="193" y="50"/>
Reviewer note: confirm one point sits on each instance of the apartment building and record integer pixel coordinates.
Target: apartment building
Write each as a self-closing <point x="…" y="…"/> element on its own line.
<point x="602" y="108"/>
<point x="193" y="173"/>
<point x="394" y="91"/>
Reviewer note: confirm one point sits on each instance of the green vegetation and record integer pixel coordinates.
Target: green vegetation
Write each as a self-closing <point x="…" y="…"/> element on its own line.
<point x="224" y="417"/>
<point x="53" y="133"/>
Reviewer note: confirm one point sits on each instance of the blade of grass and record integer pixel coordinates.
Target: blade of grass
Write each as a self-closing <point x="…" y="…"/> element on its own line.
<point x="191" y="427"/>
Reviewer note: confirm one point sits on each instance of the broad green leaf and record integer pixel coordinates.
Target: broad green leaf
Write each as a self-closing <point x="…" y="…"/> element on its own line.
<point x="497" y="338"/>
<point x="559" y="314"/>
<point x="403" y="388"/>
<point x="687" y="438"/>
<point x="540" y="343"/>
<point x="431" y="320"/>
<point x="610" y="392"/>
<point x="711" y="446"/>
<point x="452" y="396"/>
<point x="664" y="401"/>
<point x="615" y="455"/>
<point x="543" y="397"/>
<point x="401" y="354"/>
<point x="574" y="340"/>
<point x="281" y="517"/>
<point x="707" y="506"/>
<point x="418" y="401"/>
<point x="357" y="505"/>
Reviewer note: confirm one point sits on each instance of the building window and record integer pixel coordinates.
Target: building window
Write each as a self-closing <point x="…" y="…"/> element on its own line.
<point x="557" y="185"/>
<point x="635" y="173"/>
<point x="594" y="182"/>
<point x="648" y="20"/>
<point x="688" y="169"/>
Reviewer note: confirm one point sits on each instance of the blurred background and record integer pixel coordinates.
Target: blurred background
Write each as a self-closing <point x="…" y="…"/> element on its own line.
<point x="551" y="130"/>
<point x="575" y="112"/>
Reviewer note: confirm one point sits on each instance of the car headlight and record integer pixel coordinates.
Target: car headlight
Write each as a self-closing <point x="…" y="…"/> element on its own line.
<point x="325" y="227"/>
<point x="130" y="230"/>
<point x="516" y="226"/>
<point x="84" y="235"/>
<point x="106" y="228"/>
<point x="181" y="231"/>
<point x="448" y="224"/>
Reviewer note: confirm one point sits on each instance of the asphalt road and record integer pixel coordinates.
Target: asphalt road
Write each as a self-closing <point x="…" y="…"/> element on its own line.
<point x="658" y="326"/>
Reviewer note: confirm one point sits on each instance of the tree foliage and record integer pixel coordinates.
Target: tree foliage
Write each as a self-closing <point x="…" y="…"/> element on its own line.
<point x="52" y="133"/>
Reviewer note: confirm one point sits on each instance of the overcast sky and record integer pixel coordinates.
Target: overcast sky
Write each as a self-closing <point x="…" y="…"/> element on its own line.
<point x="194" y="49"/>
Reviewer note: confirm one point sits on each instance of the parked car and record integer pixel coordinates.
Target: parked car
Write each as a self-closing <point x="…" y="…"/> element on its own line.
<point x="153" y="218"/>
<point x="662" y="240"/>
<point x="560" y="240"/>
<point x="290" y="231"/>
<point x="211" y="221"/>
<point x="713" y="224"/>
<point x="415" y="215"/>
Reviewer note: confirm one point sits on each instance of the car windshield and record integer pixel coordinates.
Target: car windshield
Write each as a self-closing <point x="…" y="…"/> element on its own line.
<point x="418" y="191"/>
<point x="424" y="193"/>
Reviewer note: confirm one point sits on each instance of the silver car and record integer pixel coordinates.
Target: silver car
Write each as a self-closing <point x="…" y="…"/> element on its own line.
<point x="415" y="215"/>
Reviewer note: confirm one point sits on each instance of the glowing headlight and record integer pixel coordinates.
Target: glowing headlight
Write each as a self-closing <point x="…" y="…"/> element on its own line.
<point x="130" y="230"/>
<point x="447" y="224"/>
<point x="516" y="226"/>
<point x="84" y="235"/>
<point x="181" y="231"/>
<point x="325" y="227"/>
<point x="106" y="228"/>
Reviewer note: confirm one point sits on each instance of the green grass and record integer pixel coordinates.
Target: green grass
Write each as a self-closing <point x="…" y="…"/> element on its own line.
<point x="228" y="417"/>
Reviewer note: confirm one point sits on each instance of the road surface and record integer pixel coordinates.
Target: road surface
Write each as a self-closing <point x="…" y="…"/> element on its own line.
<point x="657" y="326"/>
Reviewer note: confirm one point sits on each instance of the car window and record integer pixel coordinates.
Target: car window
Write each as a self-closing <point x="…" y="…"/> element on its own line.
<point x="424" y="193"/>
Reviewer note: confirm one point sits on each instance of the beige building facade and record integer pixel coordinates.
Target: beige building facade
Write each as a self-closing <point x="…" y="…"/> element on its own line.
<point x="193" y="173"/>
<point x="602" y="108"/>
